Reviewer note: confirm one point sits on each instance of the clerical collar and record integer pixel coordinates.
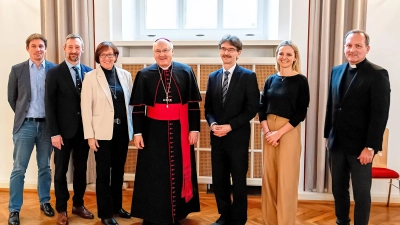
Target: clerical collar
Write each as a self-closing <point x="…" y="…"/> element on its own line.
<point x="355" y="66"/>
<point x="165" y="68"/>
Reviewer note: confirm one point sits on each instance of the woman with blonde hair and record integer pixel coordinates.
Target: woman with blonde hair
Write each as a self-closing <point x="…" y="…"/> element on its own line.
<point x="283" y="105"/>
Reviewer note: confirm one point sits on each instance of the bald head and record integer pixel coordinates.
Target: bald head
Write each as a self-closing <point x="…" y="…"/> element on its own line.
<point x="163" y="52"/>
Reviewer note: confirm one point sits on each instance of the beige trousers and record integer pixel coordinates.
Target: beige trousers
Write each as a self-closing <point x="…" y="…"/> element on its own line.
<point x="281" y="175"/>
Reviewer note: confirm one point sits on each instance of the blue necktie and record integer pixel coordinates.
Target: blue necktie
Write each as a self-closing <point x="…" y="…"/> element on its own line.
<point x="78" y="83"/>
<point x="225" y="86"/>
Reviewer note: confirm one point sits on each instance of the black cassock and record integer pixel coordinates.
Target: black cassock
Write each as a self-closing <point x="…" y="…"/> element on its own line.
<point x="158" y="179"/>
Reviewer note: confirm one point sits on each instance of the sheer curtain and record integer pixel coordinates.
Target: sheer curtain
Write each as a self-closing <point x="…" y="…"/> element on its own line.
<point x="60" y="18"/>
<point x="330" y="20"/>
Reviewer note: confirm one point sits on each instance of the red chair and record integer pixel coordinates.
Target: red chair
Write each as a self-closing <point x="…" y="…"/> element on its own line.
<point x="379" y="166"/>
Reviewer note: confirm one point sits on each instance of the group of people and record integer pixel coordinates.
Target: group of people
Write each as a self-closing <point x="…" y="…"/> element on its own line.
<point x="71" y="108"/>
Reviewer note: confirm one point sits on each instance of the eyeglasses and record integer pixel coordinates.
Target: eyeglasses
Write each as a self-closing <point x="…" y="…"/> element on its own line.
<point x="165" y="51"/>
<point x="230" y="50"/>
<point x="110" y="56"/>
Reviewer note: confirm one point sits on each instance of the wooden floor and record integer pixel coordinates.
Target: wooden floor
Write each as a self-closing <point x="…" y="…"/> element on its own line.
<point x="309" y="212"/>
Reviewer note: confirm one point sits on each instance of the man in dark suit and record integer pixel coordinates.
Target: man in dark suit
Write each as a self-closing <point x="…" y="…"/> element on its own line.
<point x="232" y="100"/>
<point x="356" y="116"/>
<point x="63" y="111"/>
<point x="26" y="97"/>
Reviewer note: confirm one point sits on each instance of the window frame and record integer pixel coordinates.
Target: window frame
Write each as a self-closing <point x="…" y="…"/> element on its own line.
<point x="199" y="34"/>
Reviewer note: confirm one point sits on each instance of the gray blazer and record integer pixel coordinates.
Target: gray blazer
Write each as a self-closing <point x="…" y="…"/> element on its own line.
<point x="19" y="91"/>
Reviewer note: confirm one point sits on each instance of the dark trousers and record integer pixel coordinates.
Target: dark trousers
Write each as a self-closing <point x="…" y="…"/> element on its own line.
<point x="230" y="160"/>
<point x="80" y="150"/>
<point x="110" y="163"/>
<point x="343" y="166"/>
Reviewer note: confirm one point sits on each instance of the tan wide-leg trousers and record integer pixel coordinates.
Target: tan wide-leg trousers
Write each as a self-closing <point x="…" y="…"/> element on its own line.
<point x="281" y="175"/>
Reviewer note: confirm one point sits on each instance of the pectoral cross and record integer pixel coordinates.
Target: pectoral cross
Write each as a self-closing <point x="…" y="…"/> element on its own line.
<point x="167" y="100"/>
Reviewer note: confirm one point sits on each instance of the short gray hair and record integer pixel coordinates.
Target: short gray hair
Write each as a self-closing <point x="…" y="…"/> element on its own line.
<point x="73" y="36"/>
<point x="356" y="31"/>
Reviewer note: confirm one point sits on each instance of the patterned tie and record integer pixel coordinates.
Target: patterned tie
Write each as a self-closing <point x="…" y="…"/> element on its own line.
<point x="225" y="86"/>
<point x="78" y="83"/>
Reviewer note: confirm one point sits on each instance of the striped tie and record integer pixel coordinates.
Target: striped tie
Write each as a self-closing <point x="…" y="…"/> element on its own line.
<point x="225" y="86"/>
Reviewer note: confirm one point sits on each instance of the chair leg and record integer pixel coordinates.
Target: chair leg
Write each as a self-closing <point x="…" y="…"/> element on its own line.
<point x="390" y="189"/>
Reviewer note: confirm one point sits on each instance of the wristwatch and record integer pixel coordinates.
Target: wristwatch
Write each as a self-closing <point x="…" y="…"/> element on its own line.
<point x="371" y="149"/>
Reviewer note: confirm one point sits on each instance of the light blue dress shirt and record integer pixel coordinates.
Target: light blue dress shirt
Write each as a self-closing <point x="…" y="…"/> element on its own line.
<point x="37" y="77"/>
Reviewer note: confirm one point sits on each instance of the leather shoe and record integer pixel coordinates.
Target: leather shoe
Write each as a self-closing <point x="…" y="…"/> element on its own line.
<point x="122" y="213"/>
<point x="47" y="209"/>
<point x="13" y="219"/>
<point x="82" y="212"/>
<point x="109" y="221"/>
<point x="62" y="218"/>
<point x="221" y="221"/>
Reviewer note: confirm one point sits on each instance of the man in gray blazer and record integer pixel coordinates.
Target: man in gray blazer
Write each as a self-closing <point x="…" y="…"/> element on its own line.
<point x="26" y="88"/>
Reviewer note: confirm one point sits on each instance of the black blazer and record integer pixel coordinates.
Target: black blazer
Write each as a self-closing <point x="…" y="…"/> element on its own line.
<point x="62" y="101"/>
<point x="359" y="119"/>
<point x="241" y="104"/>
<point x="19" y="91"/>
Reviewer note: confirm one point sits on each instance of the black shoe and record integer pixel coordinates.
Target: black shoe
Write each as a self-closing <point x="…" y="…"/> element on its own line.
<point x="13" y="219"/>
<point x="109" y="221"/>
<point x="221" y="221"/>
<point x="122" y="213"/>
<point x="47" y="209"/>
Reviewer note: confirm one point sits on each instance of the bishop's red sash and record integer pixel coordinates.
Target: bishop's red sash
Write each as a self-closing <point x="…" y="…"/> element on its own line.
<point x="178" y="112"/>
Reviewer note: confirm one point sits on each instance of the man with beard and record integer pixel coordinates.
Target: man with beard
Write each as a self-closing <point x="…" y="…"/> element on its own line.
<point x="166" y="188"/>
<point x="63" y="112"/>
<point x="232" y="100"/>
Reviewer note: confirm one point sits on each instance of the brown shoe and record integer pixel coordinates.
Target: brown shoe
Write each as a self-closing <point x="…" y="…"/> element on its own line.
<point x="62" y="218"/>
<point x="82" y="212"/>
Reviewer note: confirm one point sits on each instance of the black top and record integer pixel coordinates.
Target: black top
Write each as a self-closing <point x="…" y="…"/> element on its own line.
<point x="286" y="97"/>
<point x="117" y="94"/>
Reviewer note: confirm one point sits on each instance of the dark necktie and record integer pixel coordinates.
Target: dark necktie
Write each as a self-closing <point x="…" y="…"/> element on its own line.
<point x="225" y="86"/>
<point x="78" y="83"/>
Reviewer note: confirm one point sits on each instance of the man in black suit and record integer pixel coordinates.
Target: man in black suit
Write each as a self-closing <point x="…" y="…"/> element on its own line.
<point x="232" y="100"/>
<point x="26" y="97"/>
<point x="356" y="116"/>
<point x="63" y="111"/>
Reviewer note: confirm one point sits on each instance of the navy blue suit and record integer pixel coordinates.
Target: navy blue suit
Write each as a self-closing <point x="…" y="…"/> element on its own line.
<point x="63" y="113"/>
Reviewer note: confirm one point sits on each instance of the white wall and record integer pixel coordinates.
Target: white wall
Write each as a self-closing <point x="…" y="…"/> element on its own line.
<point x="18" y="19"/>
<point x="384" y="34"/>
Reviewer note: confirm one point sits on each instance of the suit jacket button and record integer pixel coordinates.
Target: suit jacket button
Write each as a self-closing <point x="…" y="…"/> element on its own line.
<point x="78" y="113"/>
<point x="340" y="109"/>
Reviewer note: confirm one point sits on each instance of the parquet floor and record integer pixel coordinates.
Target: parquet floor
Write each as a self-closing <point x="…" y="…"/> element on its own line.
<point x="309" y="212"/>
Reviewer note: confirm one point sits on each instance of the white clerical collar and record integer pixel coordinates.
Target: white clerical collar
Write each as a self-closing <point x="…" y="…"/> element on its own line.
<point x="165" y="68"/>
<point x="353" y="66"/>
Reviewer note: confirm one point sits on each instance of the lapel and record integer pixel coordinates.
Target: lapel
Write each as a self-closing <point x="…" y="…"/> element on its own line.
<point x="340" y="73"/>
<point x="234" y="79"/>
<point x="26" y="77"/>
<point x="68" y="78"/>
<point x="124" y="84"/>
<point x="102" y="80"/>
<point x="218" y="87"/>
<point x="356" y="80"/>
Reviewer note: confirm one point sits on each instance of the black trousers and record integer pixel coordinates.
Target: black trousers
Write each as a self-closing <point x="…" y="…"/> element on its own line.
<point x="110" y="163"/>
<point x="343" y="166"/>
<point x="80" y="150"/>
<point x="230" y="160"/>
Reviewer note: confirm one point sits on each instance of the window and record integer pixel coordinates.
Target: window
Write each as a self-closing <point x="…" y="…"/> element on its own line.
<point x="201" y="19"/>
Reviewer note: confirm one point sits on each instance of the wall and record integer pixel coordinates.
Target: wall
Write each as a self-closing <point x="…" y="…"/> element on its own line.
<point x="384" y="36"/>
<point x="18" y="19"/>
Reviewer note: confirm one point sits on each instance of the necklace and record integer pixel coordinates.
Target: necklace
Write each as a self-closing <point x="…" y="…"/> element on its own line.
<point x="114" y="93"/>
<point x="283" y="77"/>
<point x="166" y="90"/>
